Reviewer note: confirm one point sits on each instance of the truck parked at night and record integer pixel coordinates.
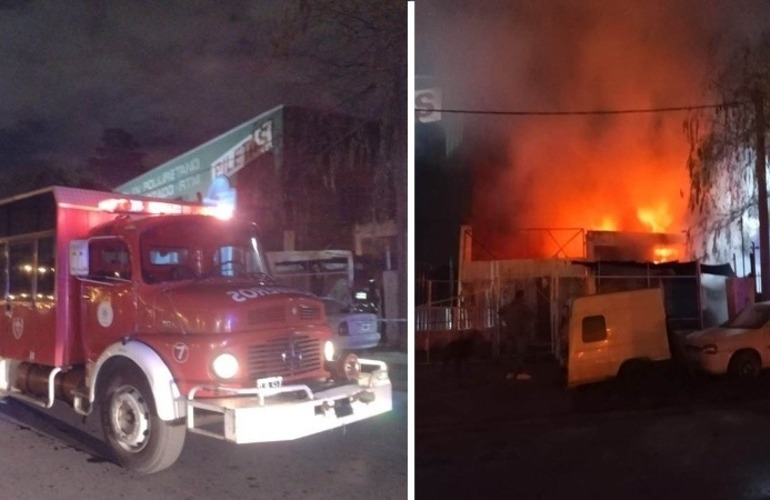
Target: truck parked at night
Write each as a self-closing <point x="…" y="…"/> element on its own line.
<point x="162" y="319"/>
<point x="615" y="335"/>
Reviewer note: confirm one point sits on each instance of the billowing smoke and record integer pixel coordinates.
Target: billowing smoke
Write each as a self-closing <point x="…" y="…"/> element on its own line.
<point x="597" y="171"/>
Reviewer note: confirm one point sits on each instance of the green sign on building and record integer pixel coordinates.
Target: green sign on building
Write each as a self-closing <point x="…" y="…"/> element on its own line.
<point x="191" y="176"/>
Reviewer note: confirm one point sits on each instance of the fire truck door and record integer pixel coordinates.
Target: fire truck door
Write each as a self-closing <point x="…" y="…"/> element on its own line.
<point x="108" y="295"/>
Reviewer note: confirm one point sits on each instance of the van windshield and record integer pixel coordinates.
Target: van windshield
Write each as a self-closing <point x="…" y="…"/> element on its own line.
<point x="200" y="247"/>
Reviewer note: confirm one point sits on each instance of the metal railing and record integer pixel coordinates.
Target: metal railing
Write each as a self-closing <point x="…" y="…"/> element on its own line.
<point x="447" y="318"/>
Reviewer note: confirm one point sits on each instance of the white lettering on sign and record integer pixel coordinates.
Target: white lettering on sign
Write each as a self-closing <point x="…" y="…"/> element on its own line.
<point x="428" y="101"/>
<point x="255" y="144"/>
<point x="171" y="181"/>
<point x="164" y="192"/>
<point x="244" y="294"/>
<point x="187" y="168"/>
<point x="189" y="183"/>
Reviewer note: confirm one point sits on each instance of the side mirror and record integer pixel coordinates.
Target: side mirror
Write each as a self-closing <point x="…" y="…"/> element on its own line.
<point x="79" y="258"/>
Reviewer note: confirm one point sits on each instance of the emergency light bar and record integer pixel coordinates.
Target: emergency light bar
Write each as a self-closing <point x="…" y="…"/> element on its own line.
<point x="223" y="212"/>
<point x="130" y="206"/>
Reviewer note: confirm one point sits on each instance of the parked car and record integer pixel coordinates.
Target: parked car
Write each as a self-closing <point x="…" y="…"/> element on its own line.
<point x="353" y="327"/>
<point x="738" y="346"/>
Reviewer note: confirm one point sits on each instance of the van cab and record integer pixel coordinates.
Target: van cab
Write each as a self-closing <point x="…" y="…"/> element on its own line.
<point x="613" y="332"/>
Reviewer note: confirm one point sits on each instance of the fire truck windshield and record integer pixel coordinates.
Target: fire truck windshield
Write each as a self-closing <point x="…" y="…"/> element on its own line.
<point x="180" y="248"/>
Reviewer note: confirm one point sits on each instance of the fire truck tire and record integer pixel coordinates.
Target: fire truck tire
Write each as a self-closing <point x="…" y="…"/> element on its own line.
<point x="138" y="438"/>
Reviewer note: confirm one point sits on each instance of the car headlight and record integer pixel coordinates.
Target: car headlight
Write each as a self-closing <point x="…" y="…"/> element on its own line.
<point x="329" y="350"/>
<point x="343" y="328"/>
<point x="225" y="366"/>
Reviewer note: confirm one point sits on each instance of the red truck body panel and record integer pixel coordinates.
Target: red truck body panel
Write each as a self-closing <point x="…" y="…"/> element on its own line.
<point x="44" y="330"/>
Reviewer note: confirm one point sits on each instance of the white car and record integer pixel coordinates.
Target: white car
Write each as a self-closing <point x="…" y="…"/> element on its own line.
<point x="740" y="346"/>
<point x="352" y="327"/>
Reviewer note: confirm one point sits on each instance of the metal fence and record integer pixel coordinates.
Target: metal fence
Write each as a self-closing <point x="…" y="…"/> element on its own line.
<point x="440" y="323"/>
<point x="446" y="318"/>
<point x="693" y="301"/>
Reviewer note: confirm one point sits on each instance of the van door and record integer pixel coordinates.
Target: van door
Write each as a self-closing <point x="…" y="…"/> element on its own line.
<point x="589" y="356"/>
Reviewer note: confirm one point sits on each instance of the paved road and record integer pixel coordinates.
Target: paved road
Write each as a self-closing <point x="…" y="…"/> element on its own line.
<point x="54" y="454"/>
<point x="479" y="436"/>
<point x="711" y="454"/>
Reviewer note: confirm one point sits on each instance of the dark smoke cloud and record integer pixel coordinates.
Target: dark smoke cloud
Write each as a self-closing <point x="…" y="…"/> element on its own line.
<point x="577" y="55"/>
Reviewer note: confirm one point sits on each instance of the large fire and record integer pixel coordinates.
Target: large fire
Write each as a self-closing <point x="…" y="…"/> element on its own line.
<point x="576" y="172"/>
<point x="657" y="218"/>
<point x="546" y="210"/>
<point x="665" y="253"/>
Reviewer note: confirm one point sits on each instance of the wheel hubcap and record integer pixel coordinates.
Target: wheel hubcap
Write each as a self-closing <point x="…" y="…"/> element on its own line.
<point x="130" y="418"/>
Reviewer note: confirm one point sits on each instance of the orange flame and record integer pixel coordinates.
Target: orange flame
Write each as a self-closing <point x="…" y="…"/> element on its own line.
<point x="658" y="218"/>
<point x="608" y="224"/>
<point x="663" y="253"/>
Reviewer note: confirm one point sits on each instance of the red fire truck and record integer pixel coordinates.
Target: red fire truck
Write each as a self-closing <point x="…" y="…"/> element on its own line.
<point x="161" y="318"/>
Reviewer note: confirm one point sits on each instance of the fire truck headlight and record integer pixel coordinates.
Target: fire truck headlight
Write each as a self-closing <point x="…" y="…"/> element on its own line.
<point x="329" y="350"/>
<point x="225" y="366"/>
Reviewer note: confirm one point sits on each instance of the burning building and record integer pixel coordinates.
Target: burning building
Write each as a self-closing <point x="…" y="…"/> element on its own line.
<point x="577" y="155"/>
<point x="633" y="246"/>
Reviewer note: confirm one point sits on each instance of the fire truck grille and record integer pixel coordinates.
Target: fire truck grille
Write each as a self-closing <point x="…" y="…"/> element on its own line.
<point x="280" y="315"/>
<point x="287" y="357"/>
<point x="308" y="313"/>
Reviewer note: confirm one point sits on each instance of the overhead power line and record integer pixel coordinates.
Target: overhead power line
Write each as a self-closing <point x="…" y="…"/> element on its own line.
<point x="584" y="112"/>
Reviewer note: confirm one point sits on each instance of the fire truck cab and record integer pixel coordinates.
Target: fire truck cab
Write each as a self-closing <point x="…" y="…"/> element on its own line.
<point x="162" y="319"/>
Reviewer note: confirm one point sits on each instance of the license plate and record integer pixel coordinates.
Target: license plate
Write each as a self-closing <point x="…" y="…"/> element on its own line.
<point x="269" y="382"/>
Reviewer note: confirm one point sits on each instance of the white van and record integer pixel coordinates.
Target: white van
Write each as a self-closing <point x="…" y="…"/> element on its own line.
<point x="614" y="332"/>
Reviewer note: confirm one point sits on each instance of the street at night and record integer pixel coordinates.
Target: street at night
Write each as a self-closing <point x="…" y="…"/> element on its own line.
<point x="203" y="249"/>
<point x="590" y="187"/>
<point x="490" y="437"/>
<point x="59" y="455"/>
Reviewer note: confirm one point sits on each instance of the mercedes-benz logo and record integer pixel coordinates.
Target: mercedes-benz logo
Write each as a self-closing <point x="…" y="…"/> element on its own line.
<point x="292" y="356"/>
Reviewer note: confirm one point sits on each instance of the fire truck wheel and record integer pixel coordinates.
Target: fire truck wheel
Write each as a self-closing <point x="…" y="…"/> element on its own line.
<point x="138" y="439"/>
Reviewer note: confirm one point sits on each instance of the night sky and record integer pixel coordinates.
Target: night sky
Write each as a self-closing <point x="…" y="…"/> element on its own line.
<point x="173" y="74"/>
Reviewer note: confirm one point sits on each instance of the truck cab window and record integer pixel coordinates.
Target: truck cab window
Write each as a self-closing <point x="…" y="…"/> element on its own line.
<point x="169" y="264"/>
<point x="168" y="256"/>
<point x="187" y="249"/>
<point x="229" y="261"/>
<point x="109" y="258"/>
<point x="594" y="329"/>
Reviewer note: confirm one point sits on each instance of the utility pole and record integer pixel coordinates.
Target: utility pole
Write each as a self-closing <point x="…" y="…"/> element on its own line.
<point x="764" y="232"/>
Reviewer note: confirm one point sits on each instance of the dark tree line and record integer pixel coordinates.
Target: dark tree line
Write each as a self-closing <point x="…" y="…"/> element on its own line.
<point x="117" y="158"/>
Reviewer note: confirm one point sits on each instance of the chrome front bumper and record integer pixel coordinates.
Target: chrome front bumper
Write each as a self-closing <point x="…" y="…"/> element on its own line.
<point x="289" y="412"/>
